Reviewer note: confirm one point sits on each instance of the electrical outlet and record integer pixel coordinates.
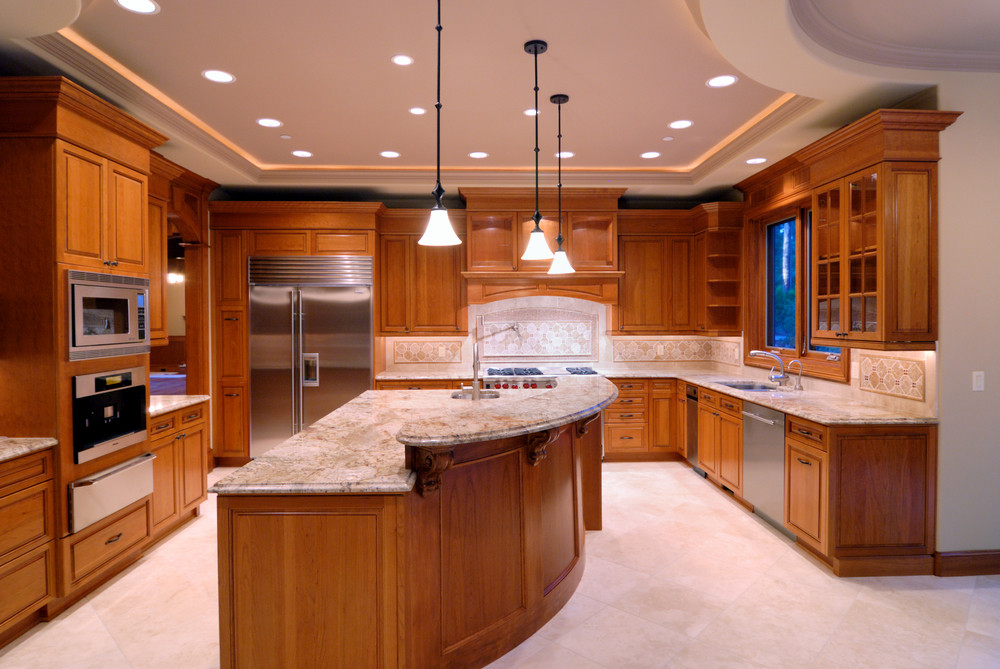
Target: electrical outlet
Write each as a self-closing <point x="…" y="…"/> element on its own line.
<point x="441" y="351"/>
<point x="978" y="381"/>
<point x="659" y="349"/>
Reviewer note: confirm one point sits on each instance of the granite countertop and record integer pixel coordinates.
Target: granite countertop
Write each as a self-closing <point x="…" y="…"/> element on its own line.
<point x="161" y="404"/>
<point x="809" y="404"/>
<point x="15" y="447"/>
<point x="359" y="447"/>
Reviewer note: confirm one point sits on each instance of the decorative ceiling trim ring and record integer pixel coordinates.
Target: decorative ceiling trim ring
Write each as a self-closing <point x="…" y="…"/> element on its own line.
<point x="71" y="53"/>
<point x="831" y="36"/>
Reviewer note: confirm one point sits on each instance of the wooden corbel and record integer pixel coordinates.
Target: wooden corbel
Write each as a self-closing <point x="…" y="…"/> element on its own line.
<point x="584" y="424"/>
<point x="429" y="464"/>
<point x="538" y="442"/>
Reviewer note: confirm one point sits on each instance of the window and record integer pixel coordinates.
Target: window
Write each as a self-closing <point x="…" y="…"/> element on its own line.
<point x="779" y="294"/>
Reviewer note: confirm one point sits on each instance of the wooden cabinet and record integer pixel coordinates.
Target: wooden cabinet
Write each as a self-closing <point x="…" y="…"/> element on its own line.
<point x="101" y="211"/>
<point x="114" y="540"/>
<point x="874" y="258"/>
<point x="720" y="439"/>
<point x="420" y="287"/>
<point x="806" y="493"/>
<point x="641" y="424"/>
<point x="156" y="308"/>
<point x="664" y="419"/>
<point x="417" y="384"/>
<point x="232" y="436"/>
<point x="180" y="470"/>
<point x="491" y="241"/>
<point x="655" y="289"/>
<point x="717" y="280"/>
<point x="27" y="537"/>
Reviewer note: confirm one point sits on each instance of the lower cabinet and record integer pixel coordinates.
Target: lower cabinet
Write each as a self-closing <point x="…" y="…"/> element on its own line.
<point x="806" y="498"/>
<point x="27" y="539"/>
<point x="418" y="384"/>
<point x="642" y="423"/>
<point x="232" y="439"/>
<point x="720" y="439"/>
<point x="180" y="470"/>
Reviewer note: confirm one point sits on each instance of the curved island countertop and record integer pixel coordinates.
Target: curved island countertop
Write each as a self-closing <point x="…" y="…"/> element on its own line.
<point x="359" y="448"/>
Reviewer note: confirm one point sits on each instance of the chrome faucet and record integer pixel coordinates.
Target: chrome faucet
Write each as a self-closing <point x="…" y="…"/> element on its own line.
<point x="798" y="383"/>
<point x="780" y="377"/>
<point x="475" y="359"/>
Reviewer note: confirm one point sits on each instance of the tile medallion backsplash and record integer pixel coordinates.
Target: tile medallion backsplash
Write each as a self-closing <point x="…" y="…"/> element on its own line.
<point x="540" y="335"/>
<point x="893" y="376"/>
<point x="427" y="351"/>
<point x="676" y="350"/>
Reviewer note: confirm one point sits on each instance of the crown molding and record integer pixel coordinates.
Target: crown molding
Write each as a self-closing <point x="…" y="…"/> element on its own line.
<point x="841" y="41"/>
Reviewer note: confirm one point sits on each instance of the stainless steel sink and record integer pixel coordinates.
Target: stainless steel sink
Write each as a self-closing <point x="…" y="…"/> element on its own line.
<point x="751" y="386"/>
<point x="466" y="394"/>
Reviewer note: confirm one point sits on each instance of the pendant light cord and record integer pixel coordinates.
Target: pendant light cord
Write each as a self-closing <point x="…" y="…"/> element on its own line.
<point x="559" y="237"/>
<point x="438" y="192"/>
<point x="538" y="216"/>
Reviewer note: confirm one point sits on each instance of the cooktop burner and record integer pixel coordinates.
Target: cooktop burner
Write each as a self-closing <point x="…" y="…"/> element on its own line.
<point x="580" y="370"/>
<point x="513" y="371"/>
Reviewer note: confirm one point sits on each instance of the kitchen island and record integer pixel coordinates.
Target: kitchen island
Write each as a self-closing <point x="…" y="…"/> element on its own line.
<point x="411" y="529"/>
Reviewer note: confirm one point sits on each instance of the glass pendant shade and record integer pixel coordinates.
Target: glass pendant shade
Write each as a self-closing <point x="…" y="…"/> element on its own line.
<point x="538" y="248"/>
<point x="439" y="231"/>
<point x="560" y="263"/>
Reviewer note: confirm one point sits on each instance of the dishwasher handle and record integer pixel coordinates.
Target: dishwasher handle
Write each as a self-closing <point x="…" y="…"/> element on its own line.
<point x="756" y="417"/>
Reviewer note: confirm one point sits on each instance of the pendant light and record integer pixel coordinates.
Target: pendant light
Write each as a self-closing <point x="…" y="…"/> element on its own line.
<point x="538" y="248"/>
<point x="560" y="262"/>
<point x="439" y="231"/>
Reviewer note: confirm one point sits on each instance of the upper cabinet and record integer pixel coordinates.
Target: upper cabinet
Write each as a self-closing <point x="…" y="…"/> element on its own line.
<point x="871" y="189"/>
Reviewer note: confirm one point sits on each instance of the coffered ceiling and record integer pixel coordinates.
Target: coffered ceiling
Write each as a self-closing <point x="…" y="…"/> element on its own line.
<point x="323" y="68"/>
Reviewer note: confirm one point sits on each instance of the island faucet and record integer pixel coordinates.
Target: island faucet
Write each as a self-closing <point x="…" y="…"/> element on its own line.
<point x="475" y="359"/>
<point x="780" y="377"/>
<point x="798" y="383"/>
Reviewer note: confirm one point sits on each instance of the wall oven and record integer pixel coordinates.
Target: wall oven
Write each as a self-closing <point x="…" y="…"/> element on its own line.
<point x="107" y="315"/>
<point x="109" y="412"/>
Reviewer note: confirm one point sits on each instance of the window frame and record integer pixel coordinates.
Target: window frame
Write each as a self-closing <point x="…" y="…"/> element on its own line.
<point x="814" y="363"/>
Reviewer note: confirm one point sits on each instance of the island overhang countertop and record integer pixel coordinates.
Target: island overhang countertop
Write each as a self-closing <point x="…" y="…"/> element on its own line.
<point x="360" y="447"/>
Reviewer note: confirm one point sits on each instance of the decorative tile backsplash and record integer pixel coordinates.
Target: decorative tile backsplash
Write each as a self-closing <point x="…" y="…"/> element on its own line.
<point x="893" y="376"/>
<point x="540" y="335"/>
<point x="676" y="350"/>
<point x="427" y="351"/>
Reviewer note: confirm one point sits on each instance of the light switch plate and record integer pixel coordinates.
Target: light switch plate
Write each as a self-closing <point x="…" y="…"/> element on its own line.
<point x="978" y="381"/>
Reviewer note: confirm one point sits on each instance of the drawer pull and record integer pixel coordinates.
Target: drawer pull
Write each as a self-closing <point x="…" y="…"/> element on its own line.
<point x="113" y="539"/>
<point x="181" y="435"/>
<point x="230" y="319"/>
<point x="232" y="394"/>
<point x="627" y="415"/>
<point x="162" y="426"/>
<point x="191" y="415"/>
<point x="805" y="462"/>
<point x="627" y="438"/>
<point x="807" y="433"/>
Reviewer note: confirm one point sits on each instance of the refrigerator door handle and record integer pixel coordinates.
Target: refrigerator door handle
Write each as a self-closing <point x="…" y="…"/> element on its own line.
<point x="310" y="370"/>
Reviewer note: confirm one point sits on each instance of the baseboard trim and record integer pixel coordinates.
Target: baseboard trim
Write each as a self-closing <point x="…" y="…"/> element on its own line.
<point x="967" y="563"/>
<point x="668" y="456"/>
<point x="887" y="565"/>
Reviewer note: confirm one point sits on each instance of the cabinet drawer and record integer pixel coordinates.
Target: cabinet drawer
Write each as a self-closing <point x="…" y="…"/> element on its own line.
<point x="628" y="402"/>
<point x="625" y="439"/>
<point x="665" y="387"/>
<point x="192" y="414"/>
<point x="25" y="519"/>
<point x="731" y="405"/>
<point x="708" y="398"/>
<point x="631" y="385"/>
<point x="416" y="384"/>
<point x="807" y="431"/>
<point x="25" y="471"/>
<point x="27" y="583"/>
<point x="163" y="424"/>
<point x="625" y="416"/>
<point x="108" y="540"/>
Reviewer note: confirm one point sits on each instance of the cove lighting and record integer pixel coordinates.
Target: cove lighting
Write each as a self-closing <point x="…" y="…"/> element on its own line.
<point x="269" y="122"/>
<point x="721" y="81"/>
<point x="218" y="76"/>
<point x="680" y="125"/>
<point x="139" y="6"/>
<point x="302" y="154"/>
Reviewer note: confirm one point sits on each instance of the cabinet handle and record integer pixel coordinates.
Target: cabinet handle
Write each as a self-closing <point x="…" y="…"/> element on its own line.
<point x="230" y="319"/>
<point x="108" y="263"/>
<point x="627" y="438"/>
<point x="805" y="462"/>
<point x="114" y="263"/>
<point x="180" y="436"/>
<point x="628" y="415"/>
<point x="715" y="413"/>
<point x="190" y="416"/>
<point x="232" y="394"/>
<point x="113" y="539"/>
<point x="806" y="432"/>
<point x="162" y="426"/>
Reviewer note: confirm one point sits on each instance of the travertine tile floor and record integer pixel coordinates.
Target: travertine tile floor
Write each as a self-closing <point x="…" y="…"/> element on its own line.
<point x="680" y="577"/>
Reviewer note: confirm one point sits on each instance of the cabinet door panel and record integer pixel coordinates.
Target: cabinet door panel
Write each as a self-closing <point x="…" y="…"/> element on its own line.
<point x="233" y="423"/>
<point x="232" y="360"/>
<point x="730" y="440"/>
<point x="491" y="242"/>
<point x="707" y="440"/>
<point x="230" y="267"/>
<point x="662" y="423"/>
<point x="156" y="314"/>
<point x="393" y="270"/>
<point x="644" y="290"/>
<point x="81" y="205"/>
<point x="437" y="288"/>
<point x="591" y="241"/>
<point x="127" y="226"/>
<point x="805" y="504"/>
<point x="193" y="465"/>
<point x="164" y="506"/>
<point x="679" y="266"/>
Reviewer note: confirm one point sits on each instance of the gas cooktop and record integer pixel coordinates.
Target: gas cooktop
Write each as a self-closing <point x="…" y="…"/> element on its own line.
<point x="537" y="371"/>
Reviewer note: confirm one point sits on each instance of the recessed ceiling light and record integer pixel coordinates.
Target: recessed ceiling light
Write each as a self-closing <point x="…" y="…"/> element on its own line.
<point x="565" y="154"/>
<point x="721" y="81"/>
<point x="389" y="154"/>
<point x="651" y="154"/>
<point x="285" y="136"/>
<point x="668" y="138"/>
<point x="218" y="76"/>
<point x="479" y="155"/>
<point x="402" y="60"/>
<point x="302" y="154"/>
<point x="417" y="111"/>
<point x="530" y="112"/>
<point x="139" y="6"/>
<point x="680" y="125"/>
<point x="269" y="122"/>
<point x="756" y="161"/>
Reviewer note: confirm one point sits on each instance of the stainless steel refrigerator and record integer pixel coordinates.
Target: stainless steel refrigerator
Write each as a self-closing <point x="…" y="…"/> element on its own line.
<point x="310" y="341"/>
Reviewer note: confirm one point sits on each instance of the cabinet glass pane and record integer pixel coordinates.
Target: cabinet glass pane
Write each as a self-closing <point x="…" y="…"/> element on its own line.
<point x="834" y="278"/>
<point x="857" y="303"/>
<point x="856" y="275"/>
<point x="871" y="274"/>
<point x="856" y="243"/>
<point x="822" y="279"/>
<point x="823" y="315"/>
<point x="835" y="314"/>
<point x="871" y="313"/>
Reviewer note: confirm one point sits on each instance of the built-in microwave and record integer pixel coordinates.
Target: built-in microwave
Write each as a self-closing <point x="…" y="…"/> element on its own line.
<point x="107" y="315"/>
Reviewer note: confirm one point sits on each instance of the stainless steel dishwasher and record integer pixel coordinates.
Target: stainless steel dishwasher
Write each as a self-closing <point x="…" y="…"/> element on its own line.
<point x="764" y="462"/>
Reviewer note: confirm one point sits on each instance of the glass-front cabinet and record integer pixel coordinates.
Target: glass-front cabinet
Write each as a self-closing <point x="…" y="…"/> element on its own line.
<point x="873" y="245"/>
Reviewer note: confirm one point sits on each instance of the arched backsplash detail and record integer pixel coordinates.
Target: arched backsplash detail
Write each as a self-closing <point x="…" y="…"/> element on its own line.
<point x="540" y="329"/>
